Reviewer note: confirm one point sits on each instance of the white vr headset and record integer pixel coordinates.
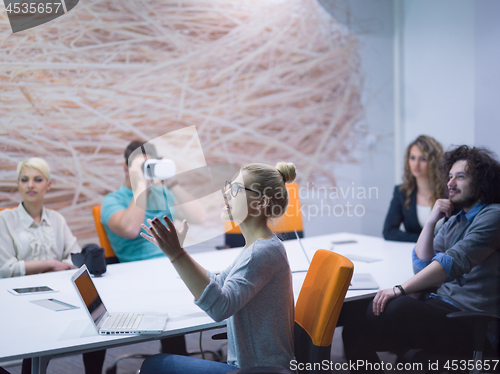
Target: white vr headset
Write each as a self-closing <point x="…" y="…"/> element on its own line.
<point x="159" y="169"/>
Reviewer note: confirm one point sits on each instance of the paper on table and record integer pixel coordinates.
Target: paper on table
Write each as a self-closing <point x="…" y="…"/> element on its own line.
<point x="362" y="258"/>
<point x="54" y="304"/>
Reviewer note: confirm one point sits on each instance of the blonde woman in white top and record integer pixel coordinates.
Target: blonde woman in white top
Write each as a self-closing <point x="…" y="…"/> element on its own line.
<point x="34" y="239"/>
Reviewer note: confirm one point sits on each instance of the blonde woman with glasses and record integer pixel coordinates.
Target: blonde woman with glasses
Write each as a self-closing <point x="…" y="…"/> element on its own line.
<point x="255" y="293"/>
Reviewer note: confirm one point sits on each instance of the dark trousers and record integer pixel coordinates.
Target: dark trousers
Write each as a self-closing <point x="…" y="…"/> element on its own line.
<point x="174" y="364"/>
<point x="93" y="361"/>
<point x="406" y="323"/>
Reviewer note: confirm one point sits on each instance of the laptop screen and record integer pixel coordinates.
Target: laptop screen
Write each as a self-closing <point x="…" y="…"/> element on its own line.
<point x="90" y="296"/>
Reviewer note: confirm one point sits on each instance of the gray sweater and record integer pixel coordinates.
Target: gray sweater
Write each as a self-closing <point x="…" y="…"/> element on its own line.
<point x="255" y="294"/>
<point x="469" y="253"/>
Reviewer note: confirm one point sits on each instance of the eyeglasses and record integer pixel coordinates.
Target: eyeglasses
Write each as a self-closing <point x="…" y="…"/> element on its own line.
<point x="235" y="188"/>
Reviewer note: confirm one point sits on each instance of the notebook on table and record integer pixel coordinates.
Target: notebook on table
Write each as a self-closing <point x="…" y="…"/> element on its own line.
<point x="113" y="323"/>
<point x="363" y="281"/>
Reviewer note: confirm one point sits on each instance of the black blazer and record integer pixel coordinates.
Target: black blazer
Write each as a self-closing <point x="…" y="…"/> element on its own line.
<point x="398" y="213"/>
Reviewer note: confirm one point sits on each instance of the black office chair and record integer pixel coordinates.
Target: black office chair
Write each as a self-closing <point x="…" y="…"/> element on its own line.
<point x="480" y="321"/>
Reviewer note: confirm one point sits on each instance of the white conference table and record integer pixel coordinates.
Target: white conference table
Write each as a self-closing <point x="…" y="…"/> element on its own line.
<point x="393" y="263"/>
<point x="29" y="330"/>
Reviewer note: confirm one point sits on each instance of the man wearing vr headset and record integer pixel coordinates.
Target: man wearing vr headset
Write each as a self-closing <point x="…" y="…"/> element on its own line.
<point x="122" y="216"/>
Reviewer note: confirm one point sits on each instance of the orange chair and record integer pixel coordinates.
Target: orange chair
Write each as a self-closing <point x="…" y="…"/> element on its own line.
<point x="284" y="227"/>
<point x="319" y="303"/>
<point x="316" y="312"/>
<point x="103" y="237"/>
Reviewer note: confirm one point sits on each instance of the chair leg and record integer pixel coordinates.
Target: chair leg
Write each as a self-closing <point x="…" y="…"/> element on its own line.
<point x="478" y="357"/>
<point x="216" y="355"/>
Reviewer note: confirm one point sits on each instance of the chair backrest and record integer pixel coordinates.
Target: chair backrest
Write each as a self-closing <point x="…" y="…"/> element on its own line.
<point x="318" y="305"/>
<point x="290" y="221"/>
<point x="103" y="237"/>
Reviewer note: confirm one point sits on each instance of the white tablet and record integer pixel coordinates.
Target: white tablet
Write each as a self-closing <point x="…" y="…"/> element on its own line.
<point x="30" y="290"/>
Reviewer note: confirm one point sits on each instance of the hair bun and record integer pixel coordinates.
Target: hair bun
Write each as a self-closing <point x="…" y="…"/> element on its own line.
<point x="287" y="169"/>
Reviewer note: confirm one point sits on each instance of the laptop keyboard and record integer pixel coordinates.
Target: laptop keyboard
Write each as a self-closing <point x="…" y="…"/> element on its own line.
<point x="125" y="321"/>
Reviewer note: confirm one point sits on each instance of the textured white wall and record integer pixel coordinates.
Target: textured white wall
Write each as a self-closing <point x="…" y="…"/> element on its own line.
<point x="438" y="70"/>
<point x="487" y="87"/>
<point x="450" y="89"/>
<point x="371" y="21"/>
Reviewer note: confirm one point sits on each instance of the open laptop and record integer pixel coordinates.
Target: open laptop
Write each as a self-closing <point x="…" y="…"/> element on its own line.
<point x="360" y="281"/>
<point x="116" y="323"/>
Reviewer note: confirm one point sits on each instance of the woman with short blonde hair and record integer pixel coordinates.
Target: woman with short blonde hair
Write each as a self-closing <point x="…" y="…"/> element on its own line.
<point x="34" y="239"/>
<point x="36" y="163"/>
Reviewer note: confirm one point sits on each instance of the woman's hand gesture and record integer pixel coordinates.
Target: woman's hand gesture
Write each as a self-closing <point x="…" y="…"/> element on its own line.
<point x="382" y="297"/>
<point x="166" y="238"/>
